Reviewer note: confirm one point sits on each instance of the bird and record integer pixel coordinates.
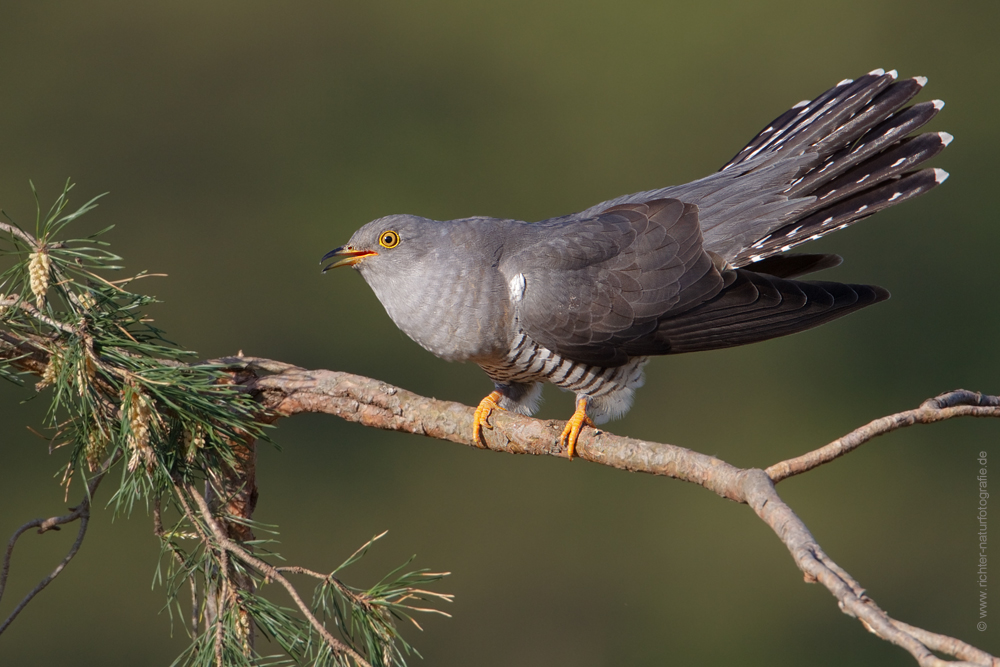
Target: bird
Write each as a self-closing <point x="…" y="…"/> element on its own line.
<point x="584" y="300"/>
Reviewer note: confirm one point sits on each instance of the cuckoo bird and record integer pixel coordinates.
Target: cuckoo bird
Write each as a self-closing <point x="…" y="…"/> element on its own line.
<point x="583" y="300"/>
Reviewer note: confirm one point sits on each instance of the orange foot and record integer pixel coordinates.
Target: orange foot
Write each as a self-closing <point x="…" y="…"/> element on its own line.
<point x="486" y="406"/>
<point x="575" y="424"/>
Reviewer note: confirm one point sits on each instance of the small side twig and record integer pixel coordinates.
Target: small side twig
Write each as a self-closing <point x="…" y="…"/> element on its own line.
<point x="958" y="403"/>
<point x="223" y="541"/>
<point x="79" y="513"/>
<point x="14" y="230"/>
<point x="365" y="600"/>
<point x="41" y="317"/>
<point x="161" y="533"/>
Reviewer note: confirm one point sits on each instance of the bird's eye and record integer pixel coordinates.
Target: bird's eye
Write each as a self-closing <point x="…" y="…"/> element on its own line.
<point x="388" y="239"/>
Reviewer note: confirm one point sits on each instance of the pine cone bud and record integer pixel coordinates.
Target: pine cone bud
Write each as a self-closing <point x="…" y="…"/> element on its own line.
<point x="39" y="265"/>
<point x="97" y="444"/>
<point x="243" y="631"/>
<point x="193" y="441"/>
<point x="50" y="374"/>
<point x="139" y="416"/>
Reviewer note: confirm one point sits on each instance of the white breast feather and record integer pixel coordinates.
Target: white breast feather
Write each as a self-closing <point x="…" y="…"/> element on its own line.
<point x="516" y="286"/>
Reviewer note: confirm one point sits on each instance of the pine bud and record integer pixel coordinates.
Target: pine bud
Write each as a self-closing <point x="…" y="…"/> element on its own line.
<point x="139" y="416"/>
<point x="82" y="376"/>
<point x="51" y="372"/>
<point x="39" y="265"/>
<point x="243" y="631"/>
<point x="97" y="444"/>
<point x="193" y="441"/>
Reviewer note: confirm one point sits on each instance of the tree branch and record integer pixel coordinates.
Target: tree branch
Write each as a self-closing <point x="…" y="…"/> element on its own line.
<point x="286" y="390"/>
<point x="290" y="390"/>
<point x="81" y="512"/>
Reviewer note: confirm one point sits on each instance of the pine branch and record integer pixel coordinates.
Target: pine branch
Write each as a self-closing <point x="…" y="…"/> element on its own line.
<point x="121" y="391"/>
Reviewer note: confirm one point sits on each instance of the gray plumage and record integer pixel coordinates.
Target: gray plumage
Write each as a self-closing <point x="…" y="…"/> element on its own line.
<point x="583" y="300"/>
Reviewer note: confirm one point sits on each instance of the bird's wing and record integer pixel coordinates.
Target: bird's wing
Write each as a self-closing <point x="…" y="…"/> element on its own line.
<point x="591" y="285"/>
<point x="755" y="307"/>
<point x="635" y="280"/>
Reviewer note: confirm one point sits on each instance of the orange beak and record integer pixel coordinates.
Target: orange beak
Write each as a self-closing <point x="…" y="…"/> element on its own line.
<point x="346" y="256"/>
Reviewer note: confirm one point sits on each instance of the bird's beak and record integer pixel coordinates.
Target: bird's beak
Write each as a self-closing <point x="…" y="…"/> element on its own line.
<point x="346" y="256"/>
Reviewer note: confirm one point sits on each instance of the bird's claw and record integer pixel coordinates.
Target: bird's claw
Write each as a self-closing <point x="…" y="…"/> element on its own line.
<point x="486" y="406"/>
<point x="575" y="424"/>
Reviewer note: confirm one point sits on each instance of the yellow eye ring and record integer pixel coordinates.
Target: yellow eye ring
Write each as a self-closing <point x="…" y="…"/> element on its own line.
<point x="388" y="239"/>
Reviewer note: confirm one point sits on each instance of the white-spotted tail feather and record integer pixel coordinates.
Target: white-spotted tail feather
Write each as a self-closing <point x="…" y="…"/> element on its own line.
<point x="865" y="159"/>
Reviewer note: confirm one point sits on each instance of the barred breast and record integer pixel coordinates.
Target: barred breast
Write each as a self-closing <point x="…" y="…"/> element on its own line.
<point x="608" y="389"/>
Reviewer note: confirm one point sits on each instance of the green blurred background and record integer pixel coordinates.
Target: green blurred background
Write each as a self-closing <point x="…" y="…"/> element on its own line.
<point x="242" y="140"/>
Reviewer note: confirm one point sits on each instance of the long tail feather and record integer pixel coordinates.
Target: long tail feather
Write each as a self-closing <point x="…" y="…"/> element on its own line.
<point x="759" y="307"/>
<point x="864" y="162"/>
<point x="811" y="120"/>
<point x="841" y="214"/>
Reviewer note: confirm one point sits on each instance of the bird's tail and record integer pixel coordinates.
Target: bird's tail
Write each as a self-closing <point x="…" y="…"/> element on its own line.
<point x="862" y="160"/>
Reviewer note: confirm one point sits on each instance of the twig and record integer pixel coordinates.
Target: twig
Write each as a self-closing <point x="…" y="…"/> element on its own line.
<point x="958" y="403"/>
<point x="218" y="611"/>
<point x="81" y="512"/>
<point x="366" y="600"/>
<point x="851" y="597"/>
<point x="222" y="540"/>
<point x="38" y="315"/>
<point x="84" y="520"/>
<point x="295" y="569"/>
<point x="14" y="230"/>
<point x="160" y="533"/>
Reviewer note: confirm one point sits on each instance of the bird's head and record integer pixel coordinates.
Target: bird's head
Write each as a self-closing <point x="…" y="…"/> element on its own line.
<point x="429" y="276"/>
<point x="395" y="240"/>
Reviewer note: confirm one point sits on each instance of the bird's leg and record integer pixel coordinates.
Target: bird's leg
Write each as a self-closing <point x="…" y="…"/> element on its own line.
<point x="482" y="413"/>
<point x="575" y="424"/>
